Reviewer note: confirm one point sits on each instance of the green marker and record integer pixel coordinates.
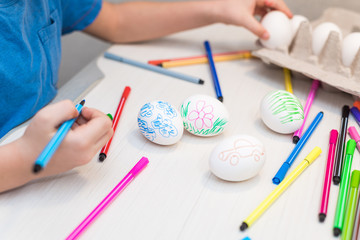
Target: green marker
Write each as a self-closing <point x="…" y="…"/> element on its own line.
<point x="110" y="116"/>
<point x="351" y="206"/>
<point x="344" y="186"/>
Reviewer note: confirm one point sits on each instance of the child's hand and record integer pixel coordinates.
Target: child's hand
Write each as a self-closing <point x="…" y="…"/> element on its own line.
<point x="241" y="13"/>
<point x="89" y="133"/>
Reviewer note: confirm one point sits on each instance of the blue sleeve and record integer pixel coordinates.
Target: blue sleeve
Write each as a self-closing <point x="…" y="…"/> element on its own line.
<point x="78" y="14"/>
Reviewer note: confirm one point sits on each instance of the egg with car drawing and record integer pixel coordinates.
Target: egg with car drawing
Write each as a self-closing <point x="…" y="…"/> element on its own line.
<point x="204" y="115"/>
<point x="237" y="158"/>
<point x="160" y="123"/>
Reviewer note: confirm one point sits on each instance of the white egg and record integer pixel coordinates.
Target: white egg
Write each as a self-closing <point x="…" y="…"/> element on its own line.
<point x="295" y="23"/>
<point x="237" y="158"/>
<point x="350" y="47"/>
<point x="160" y="122"/>
<point x="282" y="112"/>
<point x="278" y="26"/>
<point x="321" y="34"/>
<point x="204" y="115"/>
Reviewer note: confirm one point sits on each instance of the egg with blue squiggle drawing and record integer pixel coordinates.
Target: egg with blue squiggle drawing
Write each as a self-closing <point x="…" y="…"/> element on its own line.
<point x="160" y="123"/>
<point x="282" y="112"/>
<point x="204" y="115"/>
<point x="237" y="158"/>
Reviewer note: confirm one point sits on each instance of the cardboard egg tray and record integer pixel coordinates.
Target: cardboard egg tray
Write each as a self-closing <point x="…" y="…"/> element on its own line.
<point x="327" y="67"/>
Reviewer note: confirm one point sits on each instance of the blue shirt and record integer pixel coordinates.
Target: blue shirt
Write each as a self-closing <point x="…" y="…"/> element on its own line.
<point x="30" y="52"/>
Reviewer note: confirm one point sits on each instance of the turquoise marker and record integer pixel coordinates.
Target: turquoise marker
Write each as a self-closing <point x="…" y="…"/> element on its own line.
<point x="55" y="142"/>
<point x="344" y="186"/>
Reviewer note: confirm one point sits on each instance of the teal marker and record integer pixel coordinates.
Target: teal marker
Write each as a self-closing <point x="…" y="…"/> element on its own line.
<point x="55" y="142"/>
<point x="344" y="186"/>
<point x="351" y="206"/>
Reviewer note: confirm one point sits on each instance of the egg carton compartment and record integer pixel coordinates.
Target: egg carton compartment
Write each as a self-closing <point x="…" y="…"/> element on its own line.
<point x="327" y="66"/>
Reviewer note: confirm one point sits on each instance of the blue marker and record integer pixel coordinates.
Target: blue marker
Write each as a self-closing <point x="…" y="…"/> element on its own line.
<point x="153" y="68"/>
<point x="356" y="113"/>
<point x="55" y="142"/>
<point x="213" y="71"/>
<point x="280" y="175"/>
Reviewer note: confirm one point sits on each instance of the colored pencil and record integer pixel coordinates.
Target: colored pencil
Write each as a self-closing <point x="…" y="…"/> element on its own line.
<point x="213" y="71"/>
<point x="55" y="142"/>
<point x="275" y="194"/>
<point x="344" y="188"/>
<point x="328" y="175"/>
<point x="153" y="68"/>
<point x="160" y="61"/>
<point x="339" y="157"/>
<point x="289" y="161"/>
<point x="105" y="149"/>
<point x="287" y="77"/>
<point x="314" y="87"/>
<point x="221" y="58"/>
<point x="142" y="163"/>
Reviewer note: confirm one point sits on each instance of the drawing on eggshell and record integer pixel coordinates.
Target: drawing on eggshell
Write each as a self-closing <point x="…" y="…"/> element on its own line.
<point x="146" y="110"/>
<point x="200" y="121"/>
<point x="242" y="149"/>
<point x="149" y="133"/>
<point x="165" y="127"/>
<point x="282" y="101"/>
<point x="167" y="109"/>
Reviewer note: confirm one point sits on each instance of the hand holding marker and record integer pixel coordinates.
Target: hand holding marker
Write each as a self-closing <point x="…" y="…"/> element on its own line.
<point x="55" y="141"/>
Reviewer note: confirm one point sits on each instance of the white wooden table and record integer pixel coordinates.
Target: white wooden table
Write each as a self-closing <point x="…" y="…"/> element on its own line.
<point x="176" y="196"/>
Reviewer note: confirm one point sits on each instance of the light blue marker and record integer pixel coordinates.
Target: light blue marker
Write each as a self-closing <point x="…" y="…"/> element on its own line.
<point x="153" y="68"/>
<point x="280" y="175"/>
<point x="55" y="142"/>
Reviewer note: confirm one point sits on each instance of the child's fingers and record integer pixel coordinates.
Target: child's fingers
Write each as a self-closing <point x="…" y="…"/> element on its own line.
<point x="278" y="5"/>
<point x="54" y="115"/>
<point x="254" y="26"/>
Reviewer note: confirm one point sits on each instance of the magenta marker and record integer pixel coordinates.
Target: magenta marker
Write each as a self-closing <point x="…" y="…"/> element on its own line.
<point x="314" y="87"/>
<point x="328" y="175"/>
<point x="354" y="135"/>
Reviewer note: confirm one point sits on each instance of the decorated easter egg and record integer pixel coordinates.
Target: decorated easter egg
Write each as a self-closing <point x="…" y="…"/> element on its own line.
<point x="237" y="158"/>
<point x="204" y="115"/>
<point x="282" y="112"/>
<point x="160" y="122"/>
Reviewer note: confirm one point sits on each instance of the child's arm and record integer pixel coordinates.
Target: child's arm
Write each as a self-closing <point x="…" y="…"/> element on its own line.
<point x="138" y="21"/>
<point x="89" y="133"/>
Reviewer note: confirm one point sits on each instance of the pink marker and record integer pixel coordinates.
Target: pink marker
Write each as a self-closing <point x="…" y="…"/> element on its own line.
<point x="328" y="175"/>
<point x="355" y="135"/>
<point x="109" y="198"/>
<point x="314" y="87"/>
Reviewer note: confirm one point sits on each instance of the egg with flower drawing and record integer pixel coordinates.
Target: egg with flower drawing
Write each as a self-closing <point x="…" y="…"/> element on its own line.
<point x="160" y="123"/>
<point x="204" y="115"/>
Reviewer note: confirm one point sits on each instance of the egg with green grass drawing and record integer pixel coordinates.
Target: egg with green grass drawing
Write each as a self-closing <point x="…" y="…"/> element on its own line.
<point x="204" y="115"/>
<point x="282" y="112"/>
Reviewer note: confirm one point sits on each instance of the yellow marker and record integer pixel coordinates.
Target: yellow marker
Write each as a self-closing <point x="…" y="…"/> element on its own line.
<point x="200" y="60"/>
<point x="280" y="189"/>
<point x="287" y="76"/>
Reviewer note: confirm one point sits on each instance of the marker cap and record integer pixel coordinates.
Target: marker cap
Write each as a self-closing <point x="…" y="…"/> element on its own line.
<point x="357" y="104"/>
<point x="354" y="133"/>
<point x="350" y="147"/>
<point x="345" y="111"/>
<point x="355" y="179"/>
<point x="313" y="155"/>
<point x="333" y="136"/>
<point x="356" y="113"/>
<point x="280" y="175"/>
